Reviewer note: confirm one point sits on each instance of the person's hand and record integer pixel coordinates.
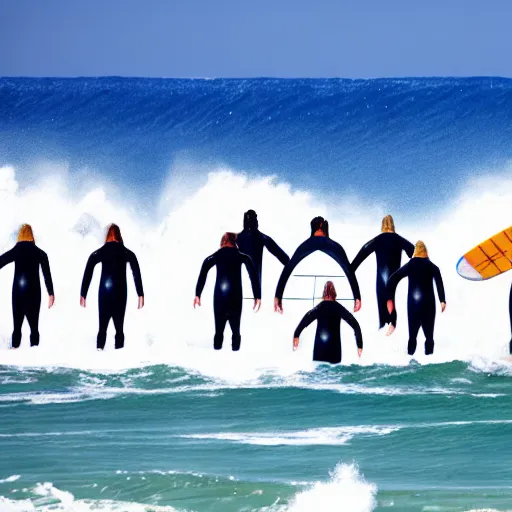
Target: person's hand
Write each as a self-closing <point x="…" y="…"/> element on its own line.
<point x="443" y="306"/>
<point x="257" y="305"/>
<point x="82" y="302"/>
<point x="295" y="343"/>
<point x="197" y="302"/>
<point x="51" y="301"/>
<point x="141" y="302"/>
<point x="278" y="306"/>
<point x="359" y="351"/>
<point x="391" y="306"/>
<point x="357" y="305"/>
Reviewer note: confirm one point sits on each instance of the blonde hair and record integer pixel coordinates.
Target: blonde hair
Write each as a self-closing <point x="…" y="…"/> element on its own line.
<point x="420" y="250"/>
<point x="388" y="226"/>
<point x="25" y="234"/>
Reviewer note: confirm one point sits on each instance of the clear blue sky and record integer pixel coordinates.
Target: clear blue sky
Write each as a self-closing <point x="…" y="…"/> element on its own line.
<point x="249" y="38"/>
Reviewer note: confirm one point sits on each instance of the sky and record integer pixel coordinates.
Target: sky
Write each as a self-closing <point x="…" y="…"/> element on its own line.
<point x="247" y="38"/>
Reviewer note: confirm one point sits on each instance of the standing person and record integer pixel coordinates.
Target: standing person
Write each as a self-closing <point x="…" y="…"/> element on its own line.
<point x="318" y="241"/>
<point x="329" y="315"/>
<point x="388" y="247"/>
<point x="227" y="297"/>
<point x="421" y="304"/>
<point x="112" y="292"/>
<point x="251" y="241"/>
<point x="26" y="286"/>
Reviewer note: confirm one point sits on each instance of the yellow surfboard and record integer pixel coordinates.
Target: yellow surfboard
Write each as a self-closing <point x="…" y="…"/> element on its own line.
<point x="488" y="259"/>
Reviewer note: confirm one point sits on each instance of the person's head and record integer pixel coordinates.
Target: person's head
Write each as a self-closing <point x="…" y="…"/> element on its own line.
<point x="329" y="291"/>
<point x="250" y="220"/>
<point x="114" y="234"/>
<point x="420" y="250"/>
<point x="388" y="226"/>
<point x="320" y="224"/>
<point x="228" y="240"/>
<point x="25" y="234"/>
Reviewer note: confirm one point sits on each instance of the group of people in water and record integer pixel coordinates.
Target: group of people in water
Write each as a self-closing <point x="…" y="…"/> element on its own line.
<point x="246" y="248"/>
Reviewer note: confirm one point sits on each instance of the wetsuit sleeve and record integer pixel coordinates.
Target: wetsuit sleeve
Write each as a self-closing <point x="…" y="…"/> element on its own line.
<point x="274" y="249"/>
<point x="89" y="269"/>
<point x="302" y="251"/>
<point x="340" y="257"/>
<point x="407" y="247"/>
<point x="208" y="263"/>
<point x="47" y="275"/>
<point x="350" y="319"/>
<point x="308" y="319"/>
<point x="7" y="257"/>
<point x="137" y="278"/>
<point x="395" y="278"/>
<point x="439" y="284"/>
<point x="253" y="275"/>
<point x="365" y="251"/>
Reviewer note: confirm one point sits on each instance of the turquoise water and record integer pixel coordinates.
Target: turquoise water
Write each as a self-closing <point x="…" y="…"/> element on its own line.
<point x="432" y="437"/>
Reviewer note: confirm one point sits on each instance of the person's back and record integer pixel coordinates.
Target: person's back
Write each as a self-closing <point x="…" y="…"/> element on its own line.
<point x="228" y="284"/>
<point x="388" y="251"/>
<point x="27" y="260"/>
<point x="421" y="273"/>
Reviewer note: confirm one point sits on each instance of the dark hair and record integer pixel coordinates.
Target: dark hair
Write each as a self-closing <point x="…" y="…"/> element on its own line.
<point x="228" y="238"/>
<point x="250" y="220"/>
<point x="329" y="291"/>
<point x="114" y="234"/>
<point x="319" y="223"/>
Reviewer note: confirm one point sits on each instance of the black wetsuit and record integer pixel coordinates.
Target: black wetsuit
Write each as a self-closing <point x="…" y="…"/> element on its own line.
<point x="327" y="246"/>
<point x="329" y="314"/>
<point x="26" y="287"/>
<point x="388" y="249"/>
<point x="252" y="242"/>
<point x="227" y="297"/>
<point x="112" y="291"/>
<point x="421" y="304"/>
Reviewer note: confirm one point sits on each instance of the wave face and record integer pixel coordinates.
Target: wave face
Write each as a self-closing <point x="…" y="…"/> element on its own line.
<point x="168" y="425"/>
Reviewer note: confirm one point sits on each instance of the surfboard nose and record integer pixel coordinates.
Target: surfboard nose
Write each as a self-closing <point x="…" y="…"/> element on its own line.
<point x="465" y="270"/>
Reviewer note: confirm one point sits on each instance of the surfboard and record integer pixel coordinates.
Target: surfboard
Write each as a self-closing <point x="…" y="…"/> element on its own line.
<point x="488" y="259"/>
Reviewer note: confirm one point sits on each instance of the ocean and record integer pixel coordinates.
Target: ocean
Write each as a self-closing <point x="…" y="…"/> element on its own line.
<point x="167" y="424"/>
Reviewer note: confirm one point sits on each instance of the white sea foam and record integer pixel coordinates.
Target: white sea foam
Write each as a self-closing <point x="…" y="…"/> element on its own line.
<point x="9" y="479"/>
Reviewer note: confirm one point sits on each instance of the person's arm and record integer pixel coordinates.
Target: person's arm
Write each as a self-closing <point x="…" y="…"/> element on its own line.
<point x="395" y="278"/>
<point x="308" y="318"/>
<point x="302" y="251"/>
<point x="350" y="319"/>
<point x="338" y="254"/>
<point x="253" y="275"/>
<point x="365" y="251"/>
<point x="89" y="269"/>
<point x="274" y="249"/>
<point x="137" y="278"/>
<point x="407" y="247"/>
<point x="47" y="275"/>
<point x="7" y="257"/>
<point x="201" y="281"/>
<point x="439" y="284"/>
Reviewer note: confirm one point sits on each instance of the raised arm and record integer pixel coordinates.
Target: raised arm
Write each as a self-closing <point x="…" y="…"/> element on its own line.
<point x="137" y="278"/>
<point x="338" y="254"/>
<point x="45" y="267"/>
<point x="93" y="260"/>
<point x="350" y="319"/>
<point x="365" y="251"/>
<point x="253" y="275"/>
<point x="302" y="251"/>
<point x="308" y="318"/>
<point x="274" y="249"/>
<point x="7" y="257"/>
<point x="201" y="281"/>
<point x="439" y="284"/>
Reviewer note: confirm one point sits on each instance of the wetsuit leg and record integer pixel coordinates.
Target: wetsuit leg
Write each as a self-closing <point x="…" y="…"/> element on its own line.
<point x="414" y="314"/>
<point x="510" y="313"/>
<point x="105" y="314"/>
<point x="18" y="315"/>
<point x="32" y="313"/>
<point x="118" y="317"/>
<point x="221" y="317"/>
<point x="428" y="322"/>
<point x="327" y="352"/>
<point x="234" y="317"/>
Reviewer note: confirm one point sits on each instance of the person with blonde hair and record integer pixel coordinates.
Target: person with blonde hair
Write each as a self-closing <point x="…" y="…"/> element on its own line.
<point x="328" y="315"/>
<point x="388" y="247"/>
<point x="421" y="303"/>
<point x="26" y="287"/>
<point x="112" y="292"/>
<point x="227" y="296"/>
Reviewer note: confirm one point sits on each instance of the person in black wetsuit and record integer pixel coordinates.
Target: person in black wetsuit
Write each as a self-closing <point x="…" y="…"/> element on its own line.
<point x="112" y="292"/>
<point x="388" y="247"/>
<point x="227" y="297"/>
<point x="26" y="286"/>
<point x="328" y="314"/>
<point x="318" y="241"/>
<point x="251" y="241"/>
<point x="421" y="304"/>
